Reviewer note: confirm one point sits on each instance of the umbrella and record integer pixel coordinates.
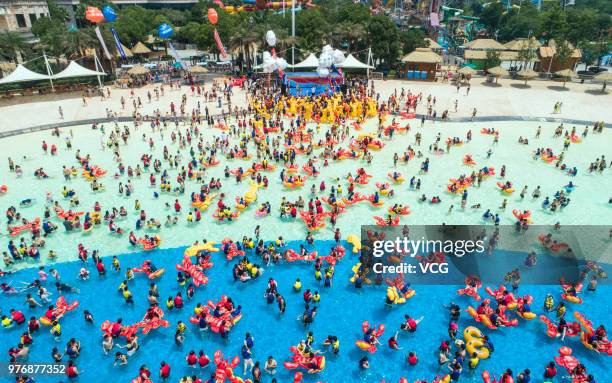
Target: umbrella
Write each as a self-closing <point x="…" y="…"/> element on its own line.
<point x="603" y="77"/>
<point x="527" y="74"/>
<point x="466" y="70"/>
<point x="566" y="74"/>
<point x="198" y="69"/>
<point x="497" y="72"/>
<point x="138" y="70"/>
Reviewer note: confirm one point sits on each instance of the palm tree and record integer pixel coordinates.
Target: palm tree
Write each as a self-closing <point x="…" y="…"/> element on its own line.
<point x="346" y="34"/>
<point x="78" y="41"/>
<point x="244" y="42"/>
<point x="12" y="45"/>
<point x="284" y="40"/>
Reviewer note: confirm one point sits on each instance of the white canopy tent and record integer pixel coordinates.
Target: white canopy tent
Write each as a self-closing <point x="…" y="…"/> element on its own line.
<point x="310" y="62"/>
<point x="23" y="74"/>
<point x="350" y="62"/>
<point x="75" y="70"/>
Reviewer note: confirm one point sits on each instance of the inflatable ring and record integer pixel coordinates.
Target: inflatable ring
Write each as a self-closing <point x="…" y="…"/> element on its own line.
<point x="474" y="342"/>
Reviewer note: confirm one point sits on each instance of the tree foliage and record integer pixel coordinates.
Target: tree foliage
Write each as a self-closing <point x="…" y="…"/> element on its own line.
<point x="341" y="23"/>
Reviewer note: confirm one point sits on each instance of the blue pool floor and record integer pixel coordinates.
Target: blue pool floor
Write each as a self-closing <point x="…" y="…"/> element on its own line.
<point x="340" y="312"/>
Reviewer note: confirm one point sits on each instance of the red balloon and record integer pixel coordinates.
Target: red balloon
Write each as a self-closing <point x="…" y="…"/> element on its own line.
<point x="212" y="16"/>
<point x="94" y="15"/>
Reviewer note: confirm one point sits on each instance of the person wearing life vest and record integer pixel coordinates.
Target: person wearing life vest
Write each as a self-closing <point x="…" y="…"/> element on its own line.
<point x="17" y="316"/>
<point x="203" y="360"/>
<point x="550" y="371"/>
<point x="116" y="328"/>
<point x="71" y="370"/>
<point x="164" y="370"/>
<point x="191" y="359"/>
<point x="144" y="373"/>
<point x="410" y="324"/>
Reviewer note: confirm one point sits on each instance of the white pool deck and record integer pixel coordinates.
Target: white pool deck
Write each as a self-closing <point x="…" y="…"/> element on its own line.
<point x="580" y="102"/>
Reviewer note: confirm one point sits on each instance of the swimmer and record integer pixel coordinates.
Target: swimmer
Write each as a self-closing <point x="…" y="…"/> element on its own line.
<point x="393" y="344"/>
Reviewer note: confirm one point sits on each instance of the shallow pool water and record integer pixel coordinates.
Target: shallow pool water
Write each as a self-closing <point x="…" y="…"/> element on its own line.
<point x="341" y="312"/>
<point x="589" y="200"/>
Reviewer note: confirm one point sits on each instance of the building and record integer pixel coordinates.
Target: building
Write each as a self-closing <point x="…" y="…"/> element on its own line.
<point x="422" y="64"/>
<point x="549" y="61"/>
<point x="20" y="15"/>
<point x="475" y="53"/>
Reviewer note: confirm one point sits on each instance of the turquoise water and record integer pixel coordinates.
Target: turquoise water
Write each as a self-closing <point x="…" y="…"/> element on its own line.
<point x="341" y="312"/>
<point x="589" y="199"/>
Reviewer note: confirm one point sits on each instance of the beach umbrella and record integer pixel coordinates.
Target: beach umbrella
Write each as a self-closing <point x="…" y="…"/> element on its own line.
<point x="466" y="70"/>
<point x="603" y="77"/>
<point x="138" y="70"/>
<point x="497" y="72"/>
<point x="198" y="69"/>
<point x="527" y="74"/>
<point x="566" y="74"/>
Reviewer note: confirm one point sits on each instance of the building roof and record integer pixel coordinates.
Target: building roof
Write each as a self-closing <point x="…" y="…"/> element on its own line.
<point x="140" y="49"/>
<point x="484" y="44"/>
<point x="432" y="44"/>
<point x="482" y="55"/>
<point x="422" y="55"/>
<point x="551" y="49"/>
<point x="128" y="53"/>
<point x="522" y="43"/>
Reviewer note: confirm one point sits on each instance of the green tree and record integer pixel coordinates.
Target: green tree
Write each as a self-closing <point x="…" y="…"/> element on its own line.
<point x="491" y="16"/>
<point x="56" y="12"/>
<point x="12" y="44"/>
<point x="492" y="59"/>
<point x="563" y="51"/>
<point x="554" y="23"/>
<point x="521" y="22"/>
<point x="134" y="24"/>
<point x="411" y="40"/>
<point x="384" y="38"/>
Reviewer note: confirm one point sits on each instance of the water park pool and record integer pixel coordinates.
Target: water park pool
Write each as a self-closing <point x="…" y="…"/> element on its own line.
<point x="341" y="311"/>
<point x="342" y="308"/>
<point x="589" y="200"/>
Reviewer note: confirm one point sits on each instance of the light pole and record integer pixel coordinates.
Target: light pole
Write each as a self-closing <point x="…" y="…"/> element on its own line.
<point x="293" y="32"/>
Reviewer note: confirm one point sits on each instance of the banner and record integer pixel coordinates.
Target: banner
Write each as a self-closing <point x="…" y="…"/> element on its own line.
<point x="219" y="44"/>
<point x="118" y="43"/>
<point x="103" y="44"/>
<point x="176" y="56"/>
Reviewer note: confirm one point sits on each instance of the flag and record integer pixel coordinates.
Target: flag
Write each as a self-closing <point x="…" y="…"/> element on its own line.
<point x="102" y="43"/>
<point x="219" y="44"/>
<point x="118" y="43"/>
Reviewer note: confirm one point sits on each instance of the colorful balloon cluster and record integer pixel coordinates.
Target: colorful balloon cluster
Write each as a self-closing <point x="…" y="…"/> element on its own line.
<point x="328" y="58"/>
